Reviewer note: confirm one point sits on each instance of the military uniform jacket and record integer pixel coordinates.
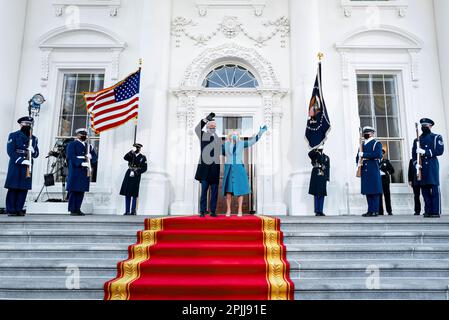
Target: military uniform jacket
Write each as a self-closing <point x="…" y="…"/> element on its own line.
<point x="17" y="149"/>
<point x="77" y="179"/>
<point x="371" y="180"/>
<point x="137" y="164"/>
<point x="318" y="183"/>
<point x="387" y="168"/>
<point x="434" y="146"/>
<point x="209" y="164"/>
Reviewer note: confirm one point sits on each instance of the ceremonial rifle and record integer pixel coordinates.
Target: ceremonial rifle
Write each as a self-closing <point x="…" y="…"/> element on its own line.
<point x="418" y="146"/>
<point x="88" y="155"/>
<point x="30" y="155"/>
<point x="360" y="165"/>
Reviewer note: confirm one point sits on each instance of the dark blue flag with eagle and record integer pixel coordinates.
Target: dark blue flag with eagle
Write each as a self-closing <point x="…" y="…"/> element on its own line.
<point x="318" y="124"/>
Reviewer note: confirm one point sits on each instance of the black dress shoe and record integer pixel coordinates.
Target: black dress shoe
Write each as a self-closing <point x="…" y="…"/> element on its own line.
<point x="417" y="214"/>
<point x="127" y="214"/>
<point x="202" y="215"/>
<point x="370" y="215"/>
<point x="320" y="214"/>
<point x="12" y="214"/>
<point x="134" y="213"/>
<point x="432" y="216"/>
<point x="22" y="213"/>
<point x="77" y="214"/>
<point x="390" y="214"/>
<point x="213" y="215"/>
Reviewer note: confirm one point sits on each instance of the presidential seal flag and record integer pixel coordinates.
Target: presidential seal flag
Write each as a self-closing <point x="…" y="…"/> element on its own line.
<point x="114" y="106"/>
<point x="318" y="123"/>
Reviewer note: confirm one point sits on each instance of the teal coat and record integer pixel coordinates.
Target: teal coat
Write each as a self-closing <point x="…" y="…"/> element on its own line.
<point x="235" y="168"/>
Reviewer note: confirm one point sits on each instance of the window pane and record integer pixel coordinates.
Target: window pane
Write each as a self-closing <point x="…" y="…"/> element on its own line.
<point x="381" y="125"/>
<point x="65" y="126"/>
<point x="68" y="104"/>
<point x="230" y="76"/>
<point x="390" y="84"/>
<point x="83" y="83"/>
<point x="366" y="121"/>
<point x="97" y="82"/>
<point x="398" y="176"/>
<point x="395" y="150"/>
<point x="70" y="83"/>
<point x="393" y="127"/>
<point x="392" y="106"/>
<point x="80" y="107"/>
<point x="365" y="105"/>
<point x="379" y="106"/>
<point x="378" y="85"/>
<point x="363" y="85"/>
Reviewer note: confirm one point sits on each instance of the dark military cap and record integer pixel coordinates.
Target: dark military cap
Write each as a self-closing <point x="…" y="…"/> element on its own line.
<point x="26" y="120"/>
<point x="427" y="122"/>
<point x="138" y="145"/>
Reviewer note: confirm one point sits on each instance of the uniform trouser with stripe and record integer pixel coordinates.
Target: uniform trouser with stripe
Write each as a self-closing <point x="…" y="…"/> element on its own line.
<point x="75" y="201"/>
<point x="131" y="204"/>
<point x="319" y="204"/>
<point x="432" y="200"/>
<point x="15" y="200"/>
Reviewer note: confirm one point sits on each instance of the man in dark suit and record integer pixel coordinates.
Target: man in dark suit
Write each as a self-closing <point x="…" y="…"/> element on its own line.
<point x="415" y="186"/>
<point x="208" y="172"/>
<point x="319" y="178"/>
<point x="429" y="147"/>
<point x="386" y="171"/>
<point x="19" y="178"/>
<point x="137" y="165"/>
<point x="79" y="154"/>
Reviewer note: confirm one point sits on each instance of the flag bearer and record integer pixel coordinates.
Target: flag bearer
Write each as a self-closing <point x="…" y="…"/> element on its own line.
<point x="319" y="178"/>
<point x="80" y="156"/>
<point x="137" y="165"/>
<point x="371" y="155"/>
<point x="22" y="148"/>
<point x="431" y="146"/>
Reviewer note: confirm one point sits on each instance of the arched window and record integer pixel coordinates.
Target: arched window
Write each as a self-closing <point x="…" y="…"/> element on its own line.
<point x="230" y="76"/>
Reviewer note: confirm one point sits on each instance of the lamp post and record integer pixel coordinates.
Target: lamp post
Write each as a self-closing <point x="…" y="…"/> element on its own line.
<point x="34" y="105"/>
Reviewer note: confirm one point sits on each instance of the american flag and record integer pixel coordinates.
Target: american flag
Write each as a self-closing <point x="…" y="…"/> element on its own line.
<point x="114" y="106"/>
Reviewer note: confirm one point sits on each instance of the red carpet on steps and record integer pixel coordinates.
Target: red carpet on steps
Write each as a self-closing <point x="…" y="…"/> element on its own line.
<point x="193" y="258"/>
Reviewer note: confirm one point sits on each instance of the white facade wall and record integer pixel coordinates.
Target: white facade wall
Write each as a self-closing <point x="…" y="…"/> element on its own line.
<point x="113" y="37"/>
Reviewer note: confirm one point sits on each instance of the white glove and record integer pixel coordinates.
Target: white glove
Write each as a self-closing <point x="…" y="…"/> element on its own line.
<point x="31" y="149"/>
<point x="85" y="165"/>
<point x="26" y="162"/>
<point x="420" y="151"/>
<point x="418" y="167"/>
<point x="89" y="156"/>
<point x="132" y="174"/>
<point x="361" y="154"/>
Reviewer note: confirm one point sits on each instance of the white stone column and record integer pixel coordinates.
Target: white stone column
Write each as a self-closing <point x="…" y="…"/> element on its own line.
<point x="12" y="22"/>
<point x="153" y="119"/>
<point x="442" y="29"/>
<point x="305" y="44"/>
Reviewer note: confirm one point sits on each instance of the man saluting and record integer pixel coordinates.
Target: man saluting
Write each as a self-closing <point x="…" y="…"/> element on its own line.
<point x="137" y="165"/>
<point x="430" y="147"/>
<point x="19" y="177"/>
<point x="79" y="154"/>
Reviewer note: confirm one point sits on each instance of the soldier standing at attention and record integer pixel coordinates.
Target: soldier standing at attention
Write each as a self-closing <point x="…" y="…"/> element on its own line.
<point x="79" y="152"/>
<point x="430" y="147"/>
<point x="137" y="165"/>
<point x="19" y="177"/>
<point x="319" y="179"/>
<point x="386" y="171"/>
<point x="371" y="155"/>
<point x="412" y="181"/>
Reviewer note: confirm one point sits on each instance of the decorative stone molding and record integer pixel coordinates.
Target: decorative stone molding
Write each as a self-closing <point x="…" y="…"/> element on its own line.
<point x="400" y="6"/>
<point x="111" y="5"/>
<point x="258" y="6"/>
<point x="195" y="73"/>
<point x="231" y="27"/>
<point x="60" y="38"/>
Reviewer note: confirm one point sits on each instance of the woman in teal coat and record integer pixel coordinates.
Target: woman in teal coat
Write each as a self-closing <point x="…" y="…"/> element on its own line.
<point x="235" y="182"/>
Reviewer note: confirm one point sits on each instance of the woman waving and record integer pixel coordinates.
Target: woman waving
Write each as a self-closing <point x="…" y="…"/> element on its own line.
<point x="236" y="182"/>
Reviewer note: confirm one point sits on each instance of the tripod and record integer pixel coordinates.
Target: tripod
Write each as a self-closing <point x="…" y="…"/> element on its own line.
<point x="59" y="166"/>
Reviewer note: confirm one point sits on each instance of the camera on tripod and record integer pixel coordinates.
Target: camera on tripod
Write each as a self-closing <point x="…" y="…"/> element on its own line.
<point x="59" y="168"/>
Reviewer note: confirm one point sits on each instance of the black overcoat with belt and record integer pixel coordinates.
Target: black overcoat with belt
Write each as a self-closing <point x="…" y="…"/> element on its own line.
<point x="318" y="183"/>
<point x="209" y="163"/>
<point x="137" y="164"/>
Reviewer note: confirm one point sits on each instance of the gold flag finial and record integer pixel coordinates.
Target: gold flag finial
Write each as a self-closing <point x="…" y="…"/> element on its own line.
<point x="140" y="62"/>
<point x="320" y="56"/>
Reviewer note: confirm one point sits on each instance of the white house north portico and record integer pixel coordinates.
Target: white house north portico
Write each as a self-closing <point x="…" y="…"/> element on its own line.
<point x="250" y="62"/>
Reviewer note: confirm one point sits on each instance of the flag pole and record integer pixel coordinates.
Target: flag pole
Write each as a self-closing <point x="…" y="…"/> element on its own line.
<point x="136" y="124"/>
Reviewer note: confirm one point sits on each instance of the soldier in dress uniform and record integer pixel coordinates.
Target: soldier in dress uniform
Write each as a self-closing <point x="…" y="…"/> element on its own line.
<point x="208" y="171"/>
<point x="137" y="165"/>
<point x="386" y="171"/>
<point x="18" y="181"/>
<point x="431" y="146"/>
<point x="319" y="179"/>
<point x="371" y="156"/>
<point x="79" y="152"/>
<point x="412" y="181"/>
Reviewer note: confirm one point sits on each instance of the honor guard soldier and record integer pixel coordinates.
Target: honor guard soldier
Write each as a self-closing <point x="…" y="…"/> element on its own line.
<point x="319" y="179"/>
<point x="369" y="159"/>
<point x="429" y="147"/>
<point x="137" y="165"/>
<point x="386" y="171"/>
<point x="80" y="156"/>
<point x="22" y="148"/>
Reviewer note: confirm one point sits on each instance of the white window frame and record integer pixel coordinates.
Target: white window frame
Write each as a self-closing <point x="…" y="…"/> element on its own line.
<point x="400" y="5"/>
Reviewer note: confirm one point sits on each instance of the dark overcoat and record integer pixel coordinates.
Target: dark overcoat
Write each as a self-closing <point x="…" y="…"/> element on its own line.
<point x="139" y="165"/>
<point x="434" y="146"/>
<point x="77" y="179"/>
<point x="17" y="149"/>
<point x="371" y="180"/>
<point x="318" y="182"/>
<point x="209" y="163"/>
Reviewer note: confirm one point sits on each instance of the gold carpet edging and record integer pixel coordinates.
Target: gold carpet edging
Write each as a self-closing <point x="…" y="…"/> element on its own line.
<point x="278" y="286"/>
<point x="119" y="288"/>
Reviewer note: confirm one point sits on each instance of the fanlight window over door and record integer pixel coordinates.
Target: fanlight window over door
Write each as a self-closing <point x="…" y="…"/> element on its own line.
<point x="230" y="76"/>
